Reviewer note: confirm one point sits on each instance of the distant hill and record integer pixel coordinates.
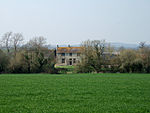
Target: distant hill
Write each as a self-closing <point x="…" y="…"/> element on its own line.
<point x="125" y="45"/>
<point x="114" y="44"/>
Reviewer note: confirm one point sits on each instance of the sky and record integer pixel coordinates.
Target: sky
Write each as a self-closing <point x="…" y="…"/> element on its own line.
<point x="74" y="21"/>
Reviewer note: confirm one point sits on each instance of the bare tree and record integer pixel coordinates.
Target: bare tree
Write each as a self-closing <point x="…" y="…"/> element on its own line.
<point x="142" y="45"/>
<point x="0" y="44"/>
<point x="92" y="55"/>
<point x="98" y="47"/>
<point x="6" y="40"/>
<point x="17" y="38"/>
<point x="37" y="43"/>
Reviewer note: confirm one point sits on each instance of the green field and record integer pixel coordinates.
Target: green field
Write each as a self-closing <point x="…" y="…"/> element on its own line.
<point x="75" y="93"/>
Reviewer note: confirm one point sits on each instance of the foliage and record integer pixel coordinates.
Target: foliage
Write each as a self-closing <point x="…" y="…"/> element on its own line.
<point x="92" y="56"/>
<point x="65" y="69"/>
<point x="33" y="57"/>
<point x="3" y="61"/>
<point x="99" y="58"/>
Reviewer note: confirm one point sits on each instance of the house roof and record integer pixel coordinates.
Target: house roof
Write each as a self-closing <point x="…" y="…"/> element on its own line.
<point x="68" y="49"/>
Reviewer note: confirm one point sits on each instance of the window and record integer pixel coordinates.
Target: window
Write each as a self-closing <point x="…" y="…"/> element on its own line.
<point x="62" y="54"/>
<point x="63" y="60"/>
<point x="74" y="60"/>
<point x="70" y="54"/>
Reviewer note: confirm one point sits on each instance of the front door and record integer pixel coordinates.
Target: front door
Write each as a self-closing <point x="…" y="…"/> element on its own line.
<point x="70" y="62"/>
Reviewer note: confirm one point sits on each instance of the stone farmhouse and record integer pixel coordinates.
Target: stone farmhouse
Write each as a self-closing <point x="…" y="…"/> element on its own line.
<point x="66" y="56"/>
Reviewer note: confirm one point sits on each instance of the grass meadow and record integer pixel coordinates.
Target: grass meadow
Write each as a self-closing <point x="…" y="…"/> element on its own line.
<point x="75" y="93"/>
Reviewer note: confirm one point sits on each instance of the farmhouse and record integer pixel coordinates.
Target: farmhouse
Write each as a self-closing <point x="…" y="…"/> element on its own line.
<point x="68" y="55"/>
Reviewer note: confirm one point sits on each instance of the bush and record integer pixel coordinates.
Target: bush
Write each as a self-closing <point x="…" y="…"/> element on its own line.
<point x="4" y="61"/>
<point x="137" y="66"/>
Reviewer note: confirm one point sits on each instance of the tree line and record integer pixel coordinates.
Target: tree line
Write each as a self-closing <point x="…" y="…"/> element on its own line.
<point x="30" y="57"/>
<point x="97" y="56"/>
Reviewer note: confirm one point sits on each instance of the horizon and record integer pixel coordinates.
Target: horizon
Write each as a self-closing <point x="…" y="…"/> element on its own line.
<point x="72" y="22"/>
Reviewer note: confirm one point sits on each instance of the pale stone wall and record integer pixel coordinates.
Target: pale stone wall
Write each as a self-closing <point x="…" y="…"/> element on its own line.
<point x="67" y="58"/>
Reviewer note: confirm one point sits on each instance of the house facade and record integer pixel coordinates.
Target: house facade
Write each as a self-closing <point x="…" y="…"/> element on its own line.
<point x="68" y="56"/>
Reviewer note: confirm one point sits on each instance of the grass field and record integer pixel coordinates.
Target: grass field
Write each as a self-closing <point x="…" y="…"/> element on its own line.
<point x="75" y="93"/>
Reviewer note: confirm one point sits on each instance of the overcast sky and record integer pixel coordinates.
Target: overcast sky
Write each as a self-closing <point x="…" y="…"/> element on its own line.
<point x="73" y="21"/>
